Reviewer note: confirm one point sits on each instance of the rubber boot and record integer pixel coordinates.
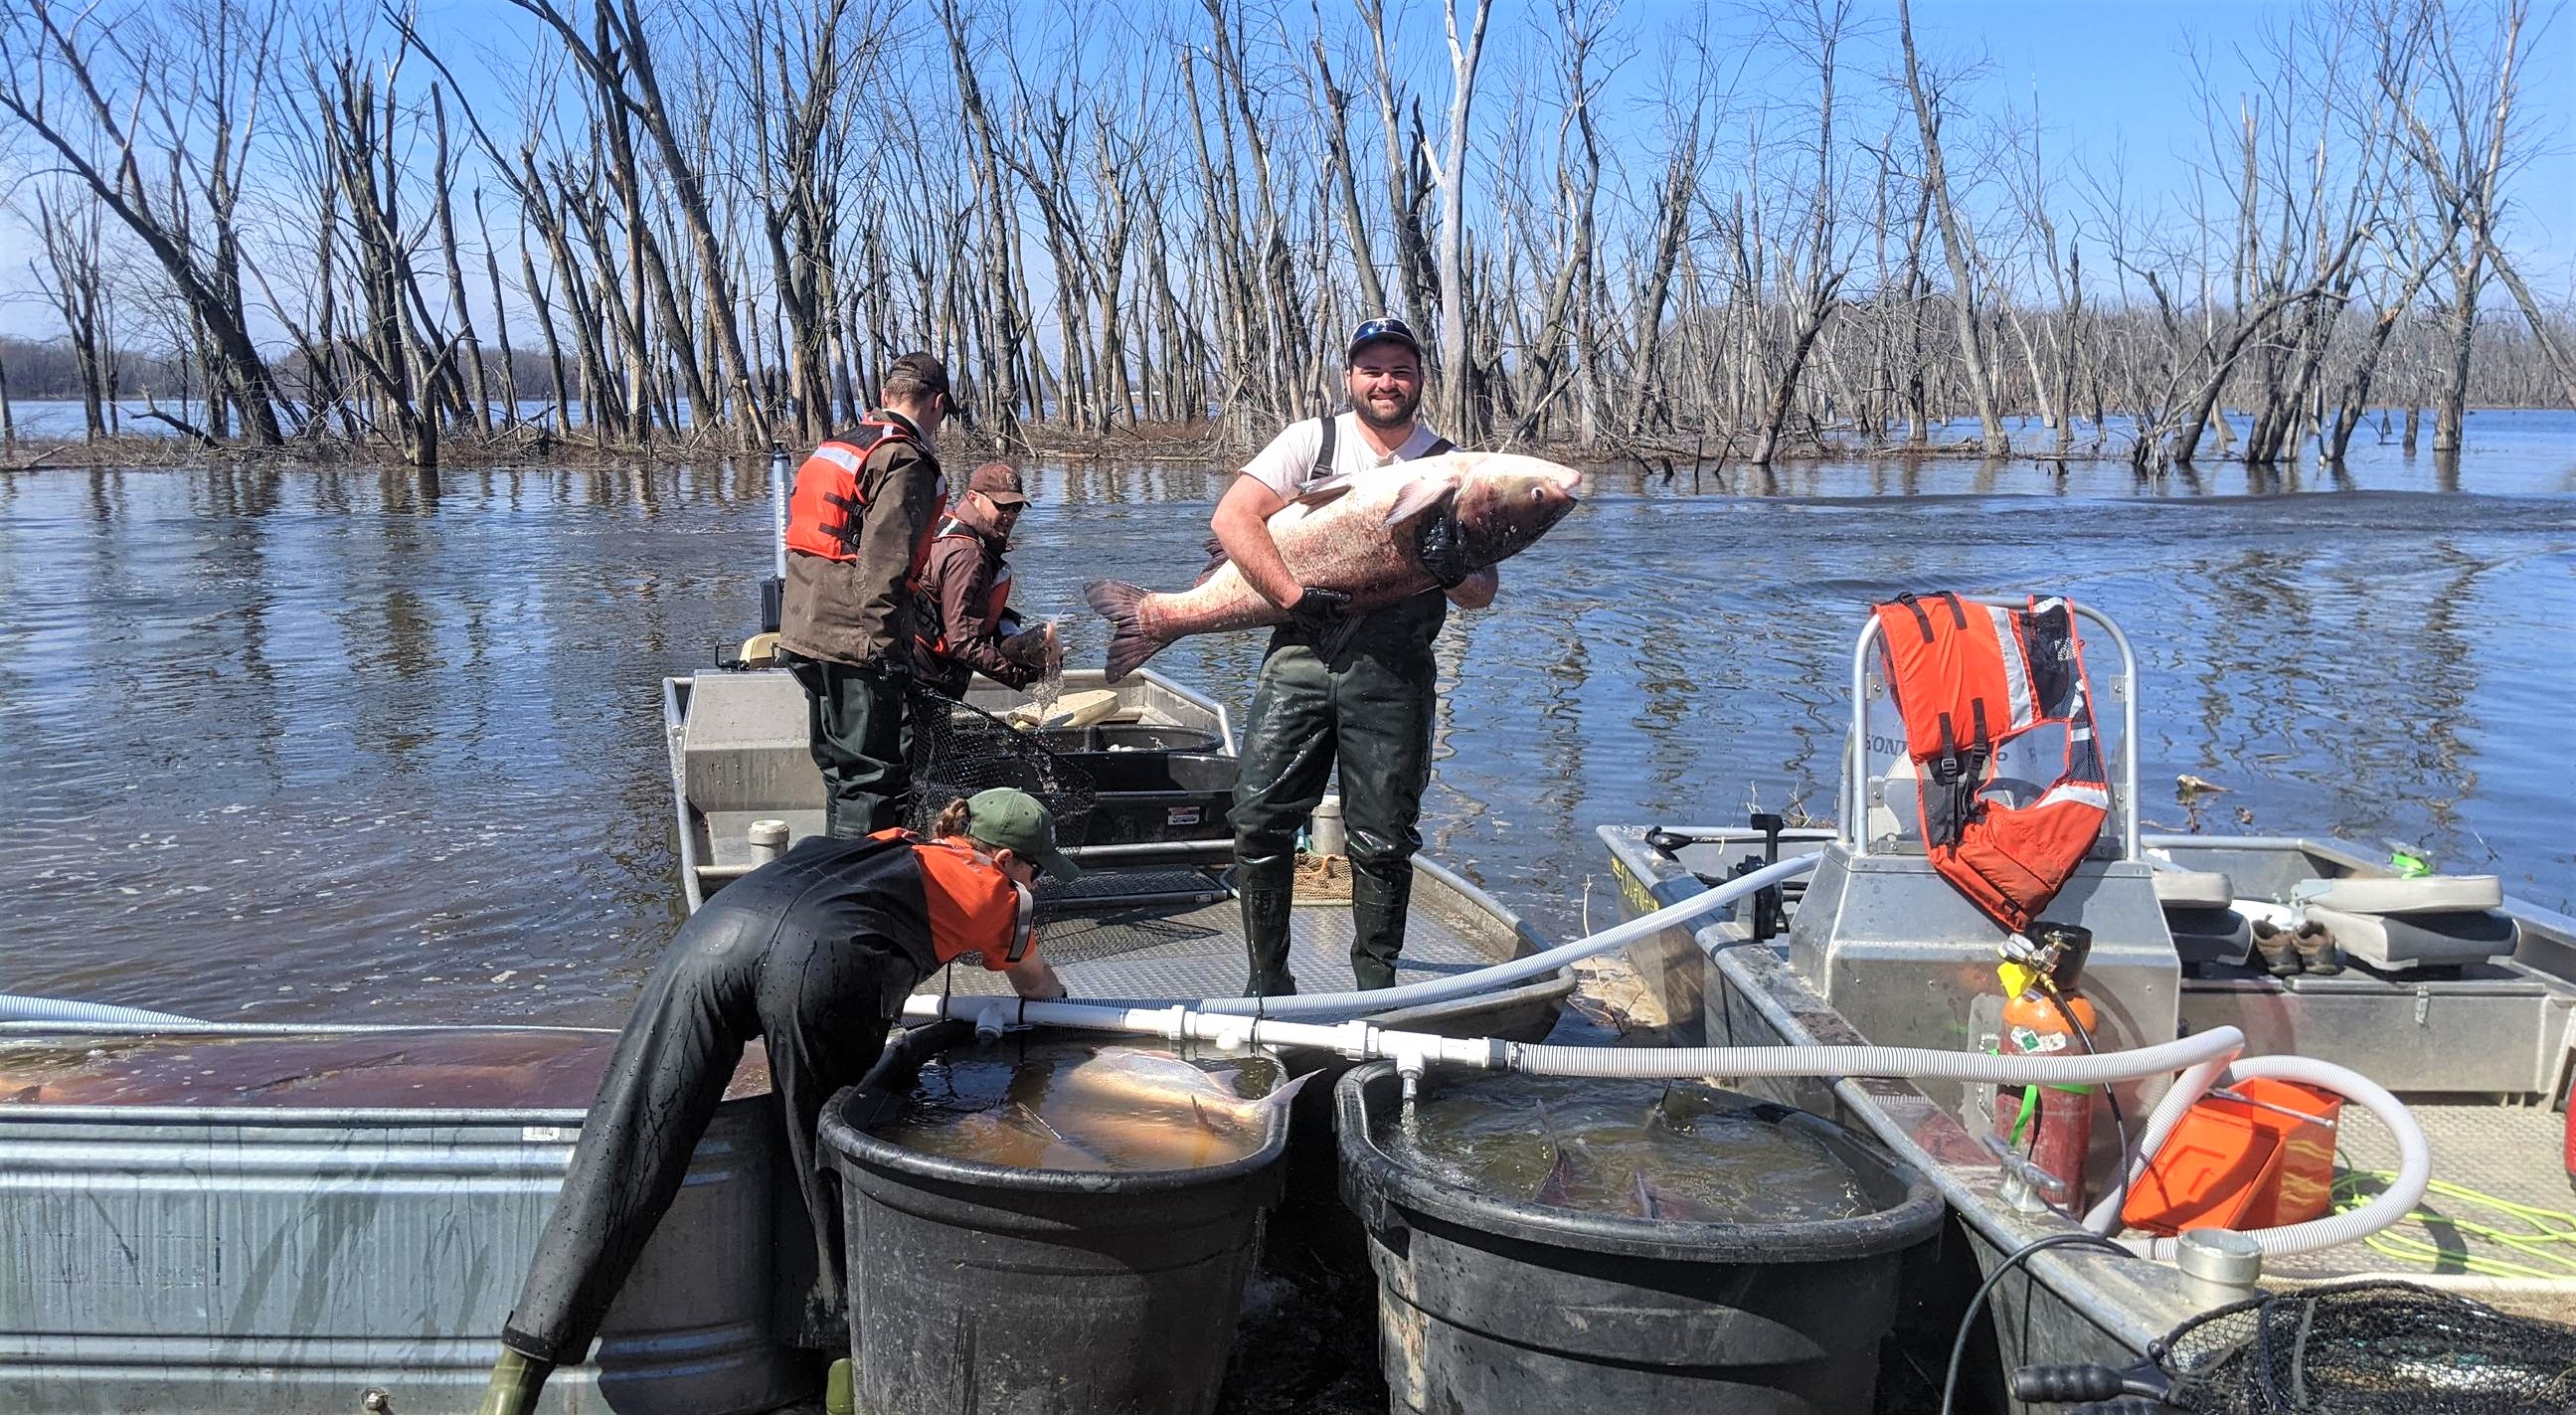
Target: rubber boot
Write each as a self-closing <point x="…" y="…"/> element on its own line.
<point x="1377" y="927"/>
<point x="2318" y="951"/>
<point x="517" y="1380"/>
<point x="2279" y="950"/>
<point x="841" y="1389"/>
<point x="1269" y="890"/>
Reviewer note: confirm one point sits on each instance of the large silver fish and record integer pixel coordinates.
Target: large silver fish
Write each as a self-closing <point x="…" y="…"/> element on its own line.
<point x="1136" y="1082"/>
<point x="1361" y="534"/>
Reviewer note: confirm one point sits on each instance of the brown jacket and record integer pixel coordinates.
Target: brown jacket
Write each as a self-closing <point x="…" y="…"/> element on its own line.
<point x="957" y="588"/>
<point x="859" y="611"/>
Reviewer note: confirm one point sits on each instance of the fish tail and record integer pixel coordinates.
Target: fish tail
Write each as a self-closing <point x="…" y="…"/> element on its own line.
<point x="1281" y="1095"/>
<point x="1130" y="642"/>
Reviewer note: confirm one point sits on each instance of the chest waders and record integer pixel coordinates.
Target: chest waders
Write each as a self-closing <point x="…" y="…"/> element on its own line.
<point x="1369" y="708"/>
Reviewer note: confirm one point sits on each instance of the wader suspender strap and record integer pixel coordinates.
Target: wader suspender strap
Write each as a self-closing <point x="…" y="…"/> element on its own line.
<point x="1324" y="451"/>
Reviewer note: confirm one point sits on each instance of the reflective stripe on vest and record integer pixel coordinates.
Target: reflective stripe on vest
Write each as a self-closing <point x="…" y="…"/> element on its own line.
<point x="974" y="907"/>
<point x="1968" y="678"/>
<point x="997" y="596"/>
<point x="825" y="515"/>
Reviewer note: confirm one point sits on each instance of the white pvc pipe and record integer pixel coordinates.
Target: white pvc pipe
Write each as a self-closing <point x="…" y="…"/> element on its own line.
<point x="2414" y="1156"/>
<point x="1412" y="1051"/>
<point x="1337" y="1005"/>
<point x="17" y="1008"/>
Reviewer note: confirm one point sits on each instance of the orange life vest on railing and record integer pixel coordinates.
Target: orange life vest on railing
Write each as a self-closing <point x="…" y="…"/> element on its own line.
<point x="1969" y="678"/>
<point x="997" y="596"/>
<point x="973" y="906"/>
<point x="824" y="515"/>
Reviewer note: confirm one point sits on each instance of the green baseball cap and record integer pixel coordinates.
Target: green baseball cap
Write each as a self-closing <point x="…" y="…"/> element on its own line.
<point x="1020" y="823"/>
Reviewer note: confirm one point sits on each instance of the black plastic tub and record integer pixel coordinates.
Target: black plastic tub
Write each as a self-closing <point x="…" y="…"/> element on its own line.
<point x="1034" y="1291"/>
<point x="1492" y="1304"/>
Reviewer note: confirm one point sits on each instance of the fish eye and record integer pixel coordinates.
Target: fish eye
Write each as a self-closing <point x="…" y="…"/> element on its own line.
<point x="1538" y="493"/>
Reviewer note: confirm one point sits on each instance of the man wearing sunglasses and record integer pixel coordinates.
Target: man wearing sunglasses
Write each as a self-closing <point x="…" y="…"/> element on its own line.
<point x="1366" y="704"/>
<point x="859" y="530"/>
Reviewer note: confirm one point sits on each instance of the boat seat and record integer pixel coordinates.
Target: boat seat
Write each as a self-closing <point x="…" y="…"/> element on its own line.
<point x="2424" y="894"/>
<point x="2203" y="936"/>
<point x="2396" y="942"/>
<point x="2193" y="889"/>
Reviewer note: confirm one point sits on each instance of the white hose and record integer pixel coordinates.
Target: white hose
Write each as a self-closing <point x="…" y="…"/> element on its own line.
<point x="2089" y="1069"/>
<point x="1338" y="1005"/>
<point x="2414" y="1156"/>
<point x="17" y="1008"/>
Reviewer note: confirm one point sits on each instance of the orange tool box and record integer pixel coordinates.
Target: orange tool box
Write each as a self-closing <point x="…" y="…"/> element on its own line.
<point x="2255" y="1154"/>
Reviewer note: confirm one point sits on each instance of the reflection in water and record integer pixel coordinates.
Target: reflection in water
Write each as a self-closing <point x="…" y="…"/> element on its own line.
<point x="319" y="744"/>
<point x="537" y="1070"/>
<point x="1678" y="1151"/>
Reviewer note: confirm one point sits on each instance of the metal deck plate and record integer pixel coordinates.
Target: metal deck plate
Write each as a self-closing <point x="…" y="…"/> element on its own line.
<point x="1197" y="950"/>
<point x="2511" y="1152"/>
<point x="1105" y="889"/>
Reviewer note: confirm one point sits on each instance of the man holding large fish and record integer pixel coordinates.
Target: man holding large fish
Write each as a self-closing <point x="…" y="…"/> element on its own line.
<point x="1353" y="534"/>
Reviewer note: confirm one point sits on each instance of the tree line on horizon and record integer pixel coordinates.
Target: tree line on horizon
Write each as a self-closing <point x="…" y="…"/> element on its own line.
<point x="1775" y="228"/>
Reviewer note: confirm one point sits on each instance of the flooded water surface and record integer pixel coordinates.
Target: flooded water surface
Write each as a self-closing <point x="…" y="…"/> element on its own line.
<point x="349" y="746"/>
<point x="1676" y="1151"/>
<point x="1089" y="1106"/>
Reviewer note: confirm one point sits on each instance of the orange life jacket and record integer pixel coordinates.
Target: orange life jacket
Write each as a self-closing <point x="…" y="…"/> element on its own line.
<point x="973" y="906"/>
<point x="997" y="597"/>
<point x="825" y="513"/>
<point x="1969" y="678"/>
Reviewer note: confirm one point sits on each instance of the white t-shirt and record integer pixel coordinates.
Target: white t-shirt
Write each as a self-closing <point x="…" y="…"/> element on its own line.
<point x="1287" y="465"/>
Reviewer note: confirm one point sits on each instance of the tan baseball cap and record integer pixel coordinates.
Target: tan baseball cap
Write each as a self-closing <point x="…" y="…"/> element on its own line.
<point x="1000" y="482"/>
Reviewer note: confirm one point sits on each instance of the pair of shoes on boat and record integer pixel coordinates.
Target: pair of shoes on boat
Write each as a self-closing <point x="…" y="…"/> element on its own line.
<point x="2309" y="948"/>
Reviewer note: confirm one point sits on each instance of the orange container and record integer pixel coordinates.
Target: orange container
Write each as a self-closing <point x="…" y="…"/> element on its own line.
<point x="2215" y="1171"/>
<point x="2303" y="1119"/>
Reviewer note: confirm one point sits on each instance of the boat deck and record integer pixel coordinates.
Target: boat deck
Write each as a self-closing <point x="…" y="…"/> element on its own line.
<point x="2485" y="1151"/>
<point x="1187" y="948"/>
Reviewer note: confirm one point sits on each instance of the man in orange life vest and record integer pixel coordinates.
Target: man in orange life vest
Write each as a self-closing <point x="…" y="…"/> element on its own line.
<point x="962" y="620"/>
<point x="813" y="953"/>
<point x="858" y="531"/>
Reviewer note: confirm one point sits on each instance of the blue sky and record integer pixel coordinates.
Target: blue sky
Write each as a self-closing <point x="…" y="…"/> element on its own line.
<point x="2107" y="78"/>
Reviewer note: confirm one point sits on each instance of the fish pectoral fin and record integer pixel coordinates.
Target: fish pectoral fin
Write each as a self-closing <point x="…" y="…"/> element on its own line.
<point x="1420" y="495"/>
<point x="1649" y="1203"/>
<point x="1558" y="1186"/>
<point x="1325" y="492"/>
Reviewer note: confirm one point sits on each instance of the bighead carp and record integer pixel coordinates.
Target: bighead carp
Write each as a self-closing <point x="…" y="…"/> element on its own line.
<point x="1363" y="534"/>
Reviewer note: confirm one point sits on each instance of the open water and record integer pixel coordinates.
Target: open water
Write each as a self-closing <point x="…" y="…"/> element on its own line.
<point x="352" y="745"/>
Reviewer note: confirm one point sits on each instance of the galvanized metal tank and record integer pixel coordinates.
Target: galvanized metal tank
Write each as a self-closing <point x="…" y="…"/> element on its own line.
<point x="287" y="1259"/>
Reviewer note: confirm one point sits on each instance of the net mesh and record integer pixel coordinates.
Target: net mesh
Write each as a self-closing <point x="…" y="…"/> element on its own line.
<point x="958" y="749"/>
<point x="2368" y="1348"/>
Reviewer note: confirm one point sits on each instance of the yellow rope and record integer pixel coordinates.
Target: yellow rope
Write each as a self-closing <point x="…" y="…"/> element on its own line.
<point x="2548" y="1235"/>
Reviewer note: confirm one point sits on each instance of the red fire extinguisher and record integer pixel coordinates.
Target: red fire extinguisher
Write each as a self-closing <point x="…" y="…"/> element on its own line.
<point x="2051" y="1124"/>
